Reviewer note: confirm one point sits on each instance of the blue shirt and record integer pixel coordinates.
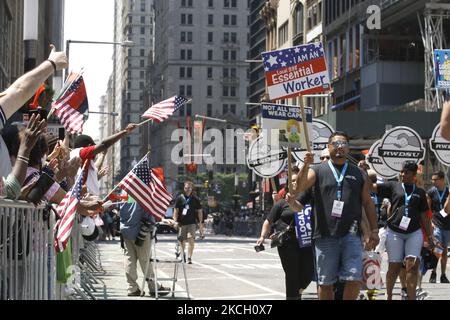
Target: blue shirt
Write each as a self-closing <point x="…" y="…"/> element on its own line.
<point x="131" y="215"/>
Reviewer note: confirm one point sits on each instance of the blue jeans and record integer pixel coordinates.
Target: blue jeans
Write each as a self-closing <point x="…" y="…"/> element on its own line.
<point x="443" y="236"/>
<point x="338" y="257"/>
<point x="402" y="245"/>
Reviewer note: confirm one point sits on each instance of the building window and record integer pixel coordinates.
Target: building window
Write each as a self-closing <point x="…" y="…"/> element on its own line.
<point x="188" y="109"/>
<point x="186" y="3"/>
<point x="224" y="109"/>
<point x="182" y="91"/>
<point x="189" y="72"/>
<point x="182" y="72"/>
<point x="210" y="73"/>
<point x="233" y="108"/>
<point x="209" y="110"/>
<point x="210" y="19"/>
<point x="143" y="20"/>
<point x="226" y="20"/>
<point x="283" y="33"/>
<point x="210" y="55"/>
<point x="226" y="55"/>
<point x="210" y="3"/>
<point x="189" y="91"/>
<point x="298" y="20"/>
<point x="209" y="91"/>
<point x="225" y="91"/>
<point x="210" y="37"/>
<point x="233" y="20"/>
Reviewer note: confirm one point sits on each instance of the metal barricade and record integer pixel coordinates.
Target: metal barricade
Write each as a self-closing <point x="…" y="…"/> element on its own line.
<point x="28" y="259"/>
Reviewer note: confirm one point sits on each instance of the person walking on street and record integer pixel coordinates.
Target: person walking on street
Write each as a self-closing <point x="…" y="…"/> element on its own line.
<point x="187" y="213"/>
<point x="341" y="190"/>
<point x="298" y="263"/>
<point x="135" y="228"/>
<point x="404" y="237"/>
<point x="436" y="198"/>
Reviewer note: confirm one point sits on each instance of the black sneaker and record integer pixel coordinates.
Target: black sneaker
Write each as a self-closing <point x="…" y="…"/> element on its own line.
<point x="190" y="262"/>
<point x="432" y="277"/>
<point x="444" y="279"/>
<point x="136" y="293"/>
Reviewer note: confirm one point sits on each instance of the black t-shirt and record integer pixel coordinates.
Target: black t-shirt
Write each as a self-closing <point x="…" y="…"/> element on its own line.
<point x="325" y="192"/>
<point x="282" y="216"/>
<point x="417" y="205"/>
<point x="193" y="204"/>
<point x="438" y="220"/>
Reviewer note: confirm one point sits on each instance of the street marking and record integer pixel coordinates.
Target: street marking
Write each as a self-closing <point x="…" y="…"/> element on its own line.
<point x="259" y="253"/>
<point x="237" y="297"/>
<point x="234" y="277"/>
<point x="251" y="266"/>
<point x="237" y="259"/>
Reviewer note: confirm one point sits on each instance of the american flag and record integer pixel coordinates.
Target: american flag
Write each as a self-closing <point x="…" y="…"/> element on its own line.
<point x="161" y="111"/>
<point x="286" y="58"/>
<point x="66" y="210"/>
<point x="145" y="186"/>
<point x="72" y="105"/>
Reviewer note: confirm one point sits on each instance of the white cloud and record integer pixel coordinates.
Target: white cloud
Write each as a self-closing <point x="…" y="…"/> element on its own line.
<point x="87" y="20"/>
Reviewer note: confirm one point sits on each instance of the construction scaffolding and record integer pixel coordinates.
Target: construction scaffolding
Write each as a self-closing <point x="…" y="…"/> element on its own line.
<point x="433" y="37"/>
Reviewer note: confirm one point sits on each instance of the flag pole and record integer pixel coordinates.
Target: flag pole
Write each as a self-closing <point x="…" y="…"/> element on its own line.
<point x="106" y="198"/>
<point x="144" y="122"/>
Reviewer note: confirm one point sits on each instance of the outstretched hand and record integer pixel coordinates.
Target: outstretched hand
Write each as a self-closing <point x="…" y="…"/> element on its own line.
<point x="130" y="127"/>
<point x="32" y="132"/>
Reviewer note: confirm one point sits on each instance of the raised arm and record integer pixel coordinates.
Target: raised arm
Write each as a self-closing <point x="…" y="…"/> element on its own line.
<point x="306" y="177"/>
<point x="23" y="88"/>
<point x="108" y="142"/>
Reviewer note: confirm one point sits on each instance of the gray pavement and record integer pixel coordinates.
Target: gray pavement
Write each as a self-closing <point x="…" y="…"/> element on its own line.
<point x="225" y="268"/>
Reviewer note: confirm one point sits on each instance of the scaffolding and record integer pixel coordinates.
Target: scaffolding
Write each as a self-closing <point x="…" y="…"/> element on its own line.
<point x="433" y="37"/>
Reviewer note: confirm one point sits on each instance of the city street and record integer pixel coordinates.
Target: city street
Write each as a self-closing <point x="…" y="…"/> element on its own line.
<point x="226" y="268"/>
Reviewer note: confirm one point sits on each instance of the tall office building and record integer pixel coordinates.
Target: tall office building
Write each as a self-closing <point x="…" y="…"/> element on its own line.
<point x="133" y="21"/>
<point x="201" y="51"/>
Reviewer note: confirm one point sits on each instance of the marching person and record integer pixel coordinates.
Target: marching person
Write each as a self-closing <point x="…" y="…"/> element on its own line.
<point x="404" y="236"/>
<point x="340" y="191"/>
<point x="298" y="263"/>
<point x="187" y="213"/>
<point x="436" y="198"/>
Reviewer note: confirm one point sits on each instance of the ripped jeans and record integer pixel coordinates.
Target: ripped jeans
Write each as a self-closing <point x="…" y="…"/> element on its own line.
<point x="339" y="257"/>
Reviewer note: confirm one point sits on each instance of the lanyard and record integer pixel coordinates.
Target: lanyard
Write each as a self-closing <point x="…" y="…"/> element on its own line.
<point x="374" y="197"/>
<point x="441" y="196"/>
<point x="407" y="198"/>
<point x="339" y="179"/>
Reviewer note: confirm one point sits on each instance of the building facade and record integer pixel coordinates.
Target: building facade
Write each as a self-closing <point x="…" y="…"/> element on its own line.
<point x="133" y="21"/>
<point x="201" y="53"/>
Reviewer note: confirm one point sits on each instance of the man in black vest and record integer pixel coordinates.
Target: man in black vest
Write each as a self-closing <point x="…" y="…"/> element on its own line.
<point x="341" y="190"/>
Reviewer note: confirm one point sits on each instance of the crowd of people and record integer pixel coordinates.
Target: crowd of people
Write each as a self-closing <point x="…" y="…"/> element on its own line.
<point x="354" y="212"/>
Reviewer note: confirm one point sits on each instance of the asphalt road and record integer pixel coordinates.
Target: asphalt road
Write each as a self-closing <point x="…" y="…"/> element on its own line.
<point x="226" y="268"/>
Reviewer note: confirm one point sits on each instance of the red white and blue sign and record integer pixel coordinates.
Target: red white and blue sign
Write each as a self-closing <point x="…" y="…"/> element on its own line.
<point x="296" y="71"/>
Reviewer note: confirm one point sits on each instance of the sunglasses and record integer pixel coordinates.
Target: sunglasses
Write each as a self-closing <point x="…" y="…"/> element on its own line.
<point x="340" y="144"/>
<point x="323" y="158"/>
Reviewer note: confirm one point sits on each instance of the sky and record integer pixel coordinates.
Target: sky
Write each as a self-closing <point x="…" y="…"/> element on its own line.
<point x="91" y="20"/>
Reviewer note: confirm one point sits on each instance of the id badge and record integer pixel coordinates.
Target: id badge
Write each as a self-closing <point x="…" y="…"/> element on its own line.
<point x="185" y="210"/>
<point x="405" y="223"/>
<point x="338" y="206"/>
<point x="443" y="213"/>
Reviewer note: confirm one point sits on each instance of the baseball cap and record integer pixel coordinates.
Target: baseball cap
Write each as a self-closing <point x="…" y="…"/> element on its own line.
<point x="409" y="166"/>
<point x="88" y="229"/>
<point x="325" y="153"/>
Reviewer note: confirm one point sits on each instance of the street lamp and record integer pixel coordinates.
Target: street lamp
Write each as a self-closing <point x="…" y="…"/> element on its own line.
<point x="124" y="44"/>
